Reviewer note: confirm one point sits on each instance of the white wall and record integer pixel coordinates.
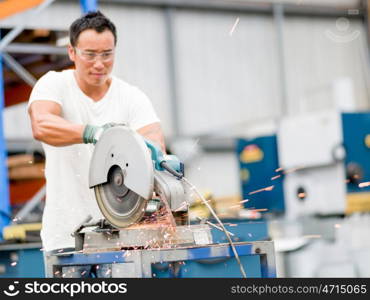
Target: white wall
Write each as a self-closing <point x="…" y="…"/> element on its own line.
<point x="320" y="51"/>
<point x="142" y="55"/>
<point x="224" y="78"/>
<point x="217" y="173"/>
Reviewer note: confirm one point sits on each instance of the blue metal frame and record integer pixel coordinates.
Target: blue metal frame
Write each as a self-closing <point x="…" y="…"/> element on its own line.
<point x="4" y="184"/>
<point x="89" y="5"/>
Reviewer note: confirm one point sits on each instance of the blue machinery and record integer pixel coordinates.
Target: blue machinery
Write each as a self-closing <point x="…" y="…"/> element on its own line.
<point x="21" y="260"/>
<point x="89" y="5"/>
<point x="356" y="139"/>
<point x="258" y="159"/>
<point x="319" y="166"/>
<point x="260" y="167"/>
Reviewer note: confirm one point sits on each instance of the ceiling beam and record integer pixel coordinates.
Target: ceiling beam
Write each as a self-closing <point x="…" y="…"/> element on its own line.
<point x="254" y="7"/>
<point x="12" y="7"/>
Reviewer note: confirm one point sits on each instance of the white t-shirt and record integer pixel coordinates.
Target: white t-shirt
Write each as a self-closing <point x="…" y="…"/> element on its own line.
<point x="68" y="197"/>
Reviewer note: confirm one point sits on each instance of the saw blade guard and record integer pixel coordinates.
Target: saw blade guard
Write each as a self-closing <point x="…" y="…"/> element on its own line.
<point x="123" y="147"/>
<point x="121" y="173"/>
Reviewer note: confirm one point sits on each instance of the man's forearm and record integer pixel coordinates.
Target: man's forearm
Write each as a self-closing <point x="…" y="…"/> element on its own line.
<point x="52" y="129"/>
<point x="56" y="131"/>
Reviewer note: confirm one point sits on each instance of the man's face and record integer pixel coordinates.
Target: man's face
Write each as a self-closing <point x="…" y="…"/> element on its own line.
<point x="93" y="56"/>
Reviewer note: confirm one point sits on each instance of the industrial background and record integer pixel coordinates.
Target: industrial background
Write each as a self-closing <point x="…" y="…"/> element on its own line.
<point x="267" y="103"/>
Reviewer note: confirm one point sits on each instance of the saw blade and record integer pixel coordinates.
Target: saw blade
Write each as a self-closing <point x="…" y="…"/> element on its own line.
<point x="119" y="205"/>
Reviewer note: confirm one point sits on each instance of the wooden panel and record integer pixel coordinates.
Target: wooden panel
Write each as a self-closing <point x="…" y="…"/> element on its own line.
<point x="20" y="160"/>
<point x="17" y="94"/>
<point x="32" y="171"/>
<point x="23" y="190"/>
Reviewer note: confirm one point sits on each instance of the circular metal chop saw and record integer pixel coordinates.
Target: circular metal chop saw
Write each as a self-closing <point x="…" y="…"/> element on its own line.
<point x="129" y="174"/>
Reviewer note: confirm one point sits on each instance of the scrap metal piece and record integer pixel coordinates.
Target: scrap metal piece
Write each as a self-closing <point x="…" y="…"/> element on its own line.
<point x="154" y="236"/>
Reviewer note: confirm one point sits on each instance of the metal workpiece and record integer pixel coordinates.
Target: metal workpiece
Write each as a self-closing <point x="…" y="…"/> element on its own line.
<point x="148" y="237"/>
<point x="152" y="206"/>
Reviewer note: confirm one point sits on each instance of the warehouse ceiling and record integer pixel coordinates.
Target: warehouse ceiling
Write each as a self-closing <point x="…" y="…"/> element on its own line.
<point x="330" y="3"/>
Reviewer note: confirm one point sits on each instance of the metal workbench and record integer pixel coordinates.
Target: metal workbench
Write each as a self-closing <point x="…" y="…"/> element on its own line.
<point x="257" y="257"/>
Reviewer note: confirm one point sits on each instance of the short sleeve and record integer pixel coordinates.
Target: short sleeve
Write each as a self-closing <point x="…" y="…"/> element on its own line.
<point x="48" y="87"/>
<point x="141" y="111"/>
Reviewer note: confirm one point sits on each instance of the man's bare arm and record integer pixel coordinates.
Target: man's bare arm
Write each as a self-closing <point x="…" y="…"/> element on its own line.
<point x="49" y="127"/>
<point x="154" y="133"/>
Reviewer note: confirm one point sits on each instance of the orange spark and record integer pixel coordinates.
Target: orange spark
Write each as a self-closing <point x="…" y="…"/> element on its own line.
<point x="364" y="184"/>
<point x="269" y="188"/>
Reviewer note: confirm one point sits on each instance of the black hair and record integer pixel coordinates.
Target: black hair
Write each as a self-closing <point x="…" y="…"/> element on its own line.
<point x="92" y="20"/>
